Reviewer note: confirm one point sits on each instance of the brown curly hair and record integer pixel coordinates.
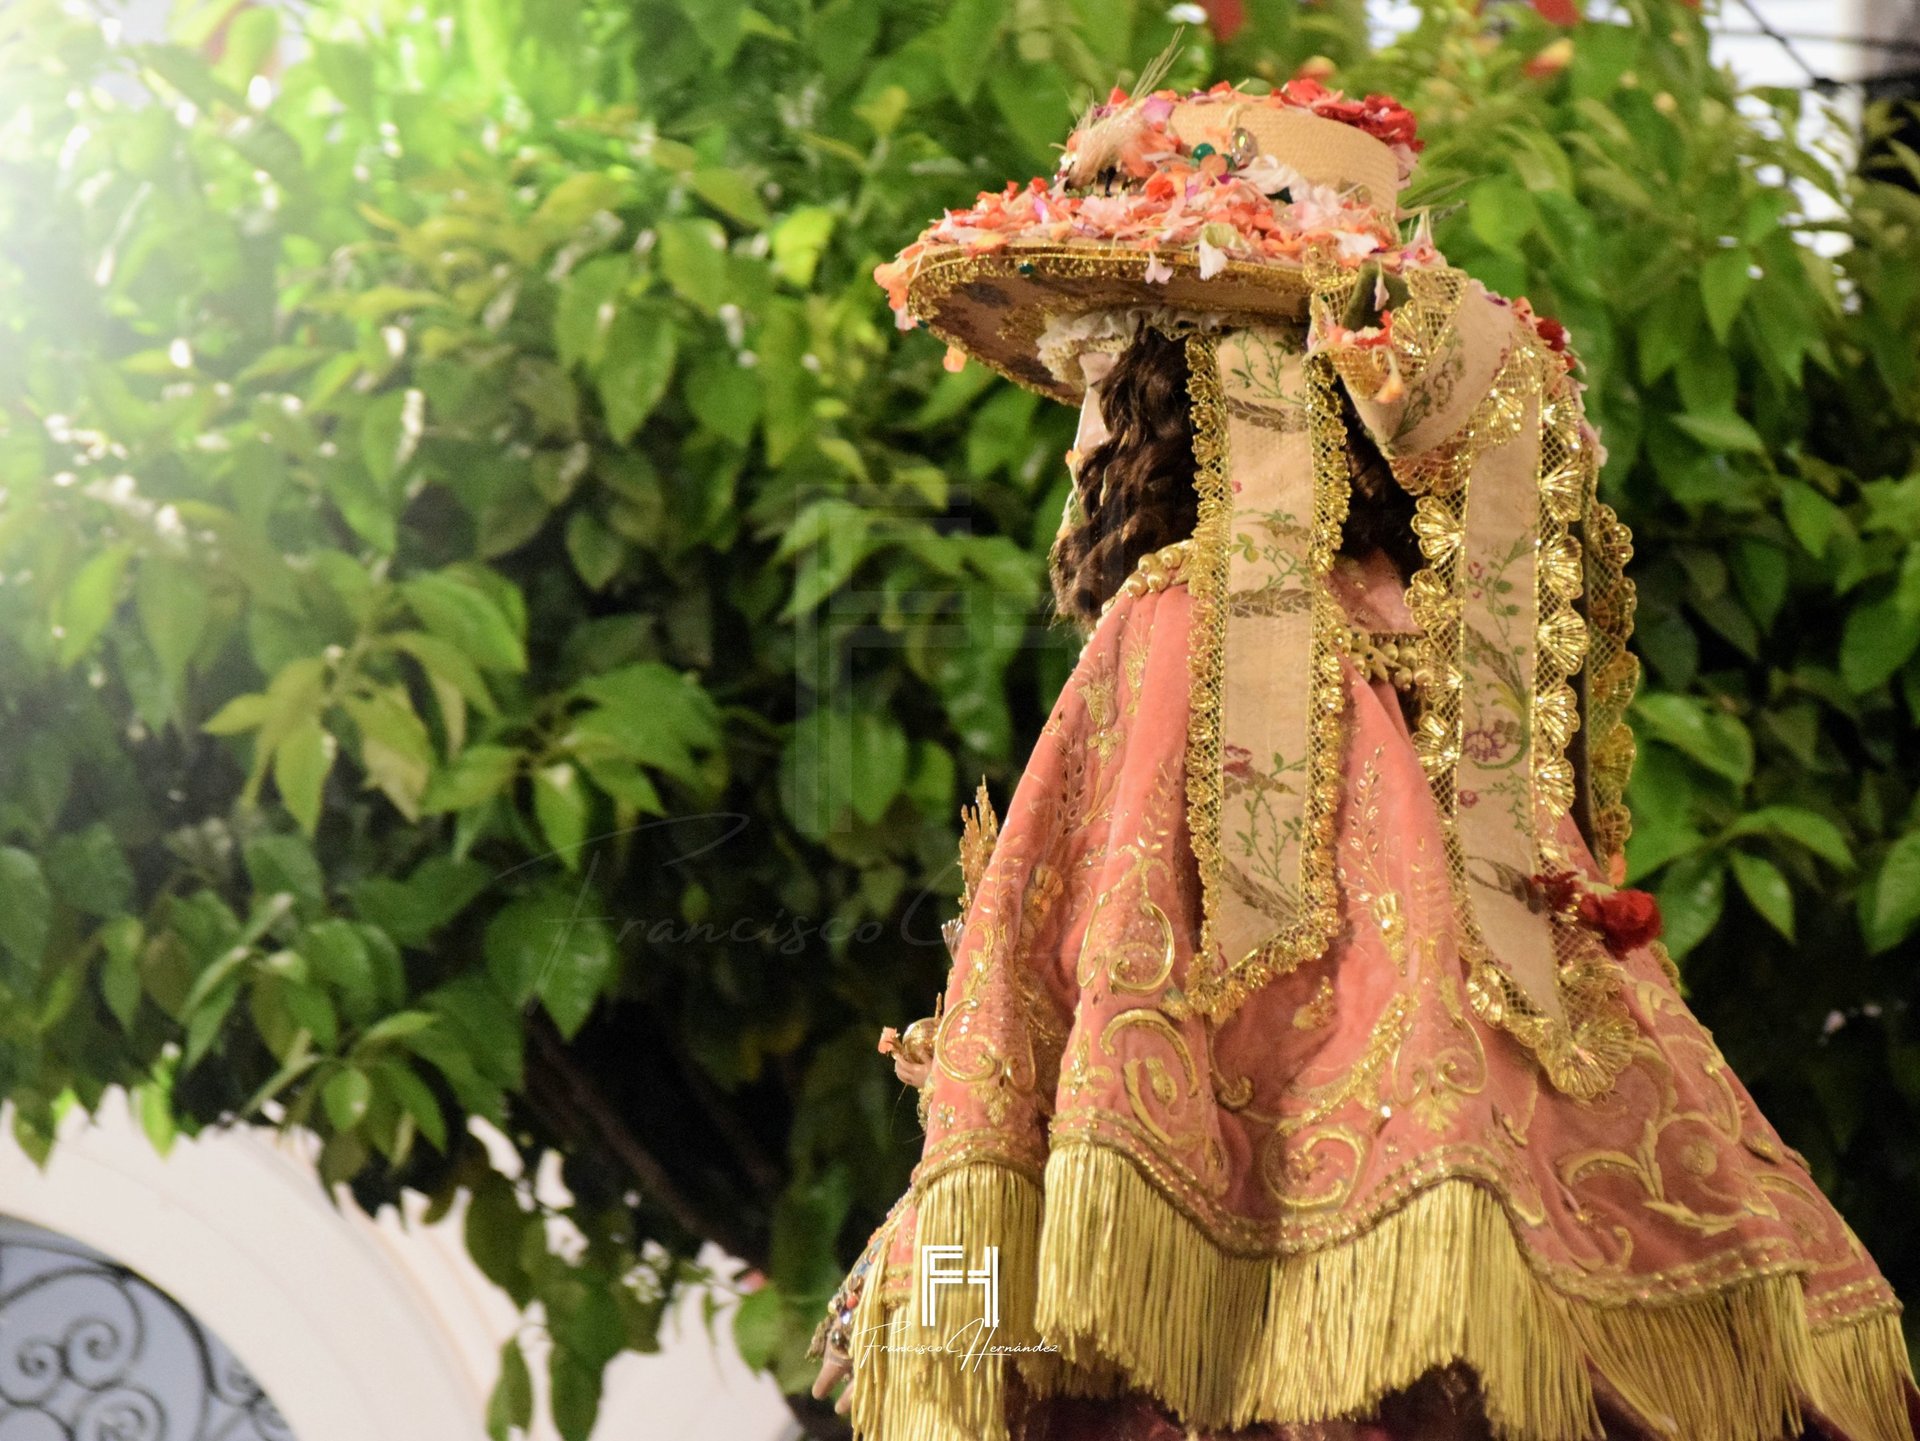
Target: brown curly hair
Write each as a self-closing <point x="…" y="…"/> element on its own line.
<point x="1137" y="486"/>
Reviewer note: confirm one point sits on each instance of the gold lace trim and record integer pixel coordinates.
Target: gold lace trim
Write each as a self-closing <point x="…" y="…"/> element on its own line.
<point x="1206" y="569"/>
<point x="1611" y="675"/>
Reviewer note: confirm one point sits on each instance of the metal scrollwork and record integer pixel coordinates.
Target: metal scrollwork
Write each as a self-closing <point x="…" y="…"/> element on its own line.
<point x="91" y="1351"/>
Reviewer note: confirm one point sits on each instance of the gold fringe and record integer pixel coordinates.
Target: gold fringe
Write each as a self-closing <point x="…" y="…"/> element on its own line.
<point x="939" y="1381"/>
<point x="1851" y="1364"/>
<point x="1132" y="1292"/>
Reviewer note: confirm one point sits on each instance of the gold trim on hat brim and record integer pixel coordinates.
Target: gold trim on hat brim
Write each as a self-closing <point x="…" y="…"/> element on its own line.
<point x="993" y="304"/>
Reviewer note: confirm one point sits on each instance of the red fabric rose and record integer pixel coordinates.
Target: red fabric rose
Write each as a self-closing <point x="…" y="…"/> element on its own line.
<point x="1557" y="888"/>
<point x="1625" y="919"/>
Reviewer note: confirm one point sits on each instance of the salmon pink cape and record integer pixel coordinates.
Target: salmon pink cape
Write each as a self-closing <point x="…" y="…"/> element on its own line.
<point x="1353" y="1180"/>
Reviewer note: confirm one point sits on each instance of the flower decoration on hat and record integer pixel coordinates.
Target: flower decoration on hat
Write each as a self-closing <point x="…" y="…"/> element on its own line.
<point x="1225" y="199"/>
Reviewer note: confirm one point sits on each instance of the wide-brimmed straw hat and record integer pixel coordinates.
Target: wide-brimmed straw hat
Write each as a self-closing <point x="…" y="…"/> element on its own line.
<point x="1218" y="200"/>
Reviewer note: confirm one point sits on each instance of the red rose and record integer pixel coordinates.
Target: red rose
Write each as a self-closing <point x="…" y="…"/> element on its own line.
<point x="1626" y="919"/>
<point x="1557" y="888"/>
<point x="1551" y="331"/>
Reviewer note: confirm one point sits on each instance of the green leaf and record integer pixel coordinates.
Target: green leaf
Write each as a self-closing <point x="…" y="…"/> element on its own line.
<point x="588" y="303"/>
<point x="206" y="1020"/>
<point x="1691" y="897"/>
<point x="556" y="946"/>
<point x="278" y="863"/>
<point x="88" y="602"/>
<point x="1890" y="904"/>
<point x="756" y="1327"/>
<point x="1502" y="212"/>
<point x="721" y="25"/>
<point x="1763" y="885"/>
<point x="120" y="982"/>
<point x="693" y="259"/>
<point x="578" y="198"/>
<point x="560" y="803"/>
<point x="1722" y="432"/>
<point x="390" y="432"/>
<point x="1713" y="738"/>
<point x="340" y="959"/>
<point x="27" y="912"/>
<point x="731" y="193"/>
<point x="1803" y="827"/>
<point x="469" y="619"/>
<point x="633" y="375"/>
<point x="574" y="1392"/>
<point x="88" y="870"/>
<point x="343" y="1157"/>
<point x="1877" y="639"/>
<point x="1724" y="283"/>
<point x="242" y="713"/>
<point x="597" y="553"/>
<point x="416" y="1098"/>
<point x="346" y="1096"/>
<point x="968" y="37"/>
<point x="510" y="1406"/>
<point x="649" y="714"/>
<point x="447" y="668"/>
<point x="300" y="765"/>
<point x="724" y="395"/>
<point x="882" y="748"/>
<point x="171" y="600"/>
<point x="410" y="911"/>
<point x="395" y="748"/>
<point x="476" y="776"/>
<point x="249" y="37"/>
<point x="798" y="242"/>
<point x="215" y="977"/>
<point x="495" y="1223"/>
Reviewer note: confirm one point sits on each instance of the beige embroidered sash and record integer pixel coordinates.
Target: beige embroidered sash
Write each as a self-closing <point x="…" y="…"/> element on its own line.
<point x="1491" y="442"/>
<point x="1263" y="756"/>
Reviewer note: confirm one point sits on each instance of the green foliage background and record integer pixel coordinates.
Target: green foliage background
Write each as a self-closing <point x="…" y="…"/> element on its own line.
<point x="494" y="623"/>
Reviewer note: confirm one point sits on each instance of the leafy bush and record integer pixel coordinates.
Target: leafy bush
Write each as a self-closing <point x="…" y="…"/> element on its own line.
<point x="495" y="626"/>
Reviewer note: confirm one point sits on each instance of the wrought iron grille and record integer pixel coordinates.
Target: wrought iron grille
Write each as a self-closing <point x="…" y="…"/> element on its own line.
<point x="91" y="1351"/>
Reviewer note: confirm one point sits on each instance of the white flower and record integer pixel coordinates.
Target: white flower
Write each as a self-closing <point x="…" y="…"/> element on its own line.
<point x="1213" y="259"/>
<point x="1269" y="174"/>
<point x="1159" y="272"/>
<point x="1354" y="246"/>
